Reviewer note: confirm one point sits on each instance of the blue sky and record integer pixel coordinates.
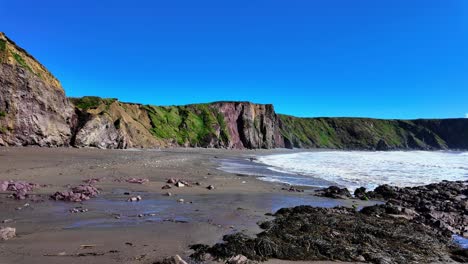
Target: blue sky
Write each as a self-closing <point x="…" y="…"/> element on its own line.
<point x="387" y="59"/>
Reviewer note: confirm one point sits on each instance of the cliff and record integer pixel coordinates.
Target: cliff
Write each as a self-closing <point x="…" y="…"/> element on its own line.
<point x="108" y="123"/>
<point x="374" y="134"/>
<point x="35" y="111"/>
<point x="33" y="107"/>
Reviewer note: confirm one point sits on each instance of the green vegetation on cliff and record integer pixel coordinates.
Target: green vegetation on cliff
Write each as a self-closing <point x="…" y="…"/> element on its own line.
<point x="196" y="125"/>
<point x="358" y="133"/>
<point x="203" y="125"/>
<point x="91" y="102"/>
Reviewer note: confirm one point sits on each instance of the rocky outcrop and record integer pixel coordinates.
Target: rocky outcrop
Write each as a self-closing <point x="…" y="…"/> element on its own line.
<point x="250" y="125"/>
<point x="33" y="107"/>
<point x="308" y="233"/>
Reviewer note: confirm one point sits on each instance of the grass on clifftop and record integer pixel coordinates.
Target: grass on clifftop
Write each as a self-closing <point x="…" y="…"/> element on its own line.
<point x="91" y="102"/>
<point x="358" y="133"/>
<point x="196" y="125"/>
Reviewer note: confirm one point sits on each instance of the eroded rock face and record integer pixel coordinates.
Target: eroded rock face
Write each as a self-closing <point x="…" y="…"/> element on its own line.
<point x="251" y="125"/>
<point x="99" y="132"/>
<point x="32" y="111"/>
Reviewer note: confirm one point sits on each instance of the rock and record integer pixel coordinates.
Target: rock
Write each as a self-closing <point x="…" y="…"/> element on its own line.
<point x="78" y="210"/>
<point x="7" y="233"/>
<point x="138" y="181"/>
<point x="165" y="187"/>
<point x="179" y="184"/>
<point x="172" y="260"/>
<point x="135" y="199"/>
<point x="181" y="200"/>
<point x="360" y="258"/>
<point x="76" y="194"/>
<point x="168" y="194"/>
<point x="360" y="193"/>
<point x="336" y="234"/>
<point x="334" y="192"/>
<point x="172" y="181"/>
<point x="239" y="259"/>
<point x="441" y="205"/>
<point x="91" y="181"/>
<point x="382" y="146"/>
<point x="35" y="110"/>
<point x="20" y="188"/>
<point x="292" y="189"/>
<point x="210" y="187"/>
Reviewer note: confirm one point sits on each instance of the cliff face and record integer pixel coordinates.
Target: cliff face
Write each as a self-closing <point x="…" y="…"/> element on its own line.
<point x="33" y="106"/>
<point x="374" y="134"/>
<point x="35" y="111"/>
<point x="108" y="123"/>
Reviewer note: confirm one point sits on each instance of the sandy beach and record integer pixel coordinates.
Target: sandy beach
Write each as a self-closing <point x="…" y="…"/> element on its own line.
<point x="115" y="230"/>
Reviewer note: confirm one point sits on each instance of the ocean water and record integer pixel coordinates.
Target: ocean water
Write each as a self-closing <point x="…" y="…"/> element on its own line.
<point x="353" y="169"/>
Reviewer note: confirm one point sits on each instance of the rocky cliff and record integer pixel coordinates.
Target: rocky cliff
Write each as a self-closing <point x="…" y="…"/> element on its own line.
<point x="35" y="111"/>
<point x="108" y="123"/>
<point x="33" y="106"/>
<point x="374" y="134"/>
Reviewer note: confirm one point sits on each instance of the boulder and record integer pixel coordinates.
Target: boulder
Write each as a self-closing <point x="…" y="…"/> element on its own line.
<point x="334" y="192"/>
<point x="7" y="233"/>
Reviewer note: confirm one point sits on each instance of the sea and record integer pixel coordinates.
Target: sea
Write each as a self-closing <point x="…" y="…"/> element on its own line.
<point x="354" y="169"/>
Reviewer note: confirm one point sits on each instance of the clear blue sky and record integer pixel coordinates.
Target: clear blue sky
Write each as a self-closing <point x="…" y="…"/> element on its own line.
<point x="386" y="58"/>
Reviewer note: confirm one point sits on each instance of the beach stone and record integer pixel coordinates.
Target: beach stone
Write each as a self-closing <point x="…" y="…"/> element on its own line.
<point x="133" y="199"/>
<point x="179" y="184"/>
<point x="167" y="186"/>
<point x="172" y="181"/>
<point x="181" y="200"/>
<point x="210" y="187"/>
<point x="7" y="233"/>
<point x="172" y="260"/>
<point x="292" y="189"/>
<point x="137" y="180"/>
<point x="239" y="259"/>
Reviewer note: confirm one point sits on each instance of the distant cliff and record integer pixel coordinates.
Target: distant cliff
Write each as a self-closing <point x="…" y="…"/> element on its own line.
<point x="35" y="111"/>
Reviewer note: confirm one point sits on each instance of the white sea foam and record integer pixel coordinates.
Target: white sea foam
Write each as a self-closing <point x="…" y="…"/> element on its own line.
<point x="354" y="169"/>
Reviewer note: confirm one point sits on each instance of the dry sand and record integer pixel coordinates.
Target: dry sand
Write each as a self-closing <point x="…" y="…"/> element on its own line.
<point x="49" y="233"/>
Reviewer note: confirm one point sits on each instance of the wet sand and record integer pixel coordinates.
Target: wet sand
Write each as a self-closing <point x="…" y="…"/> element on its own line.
<point x="140" y="232"/>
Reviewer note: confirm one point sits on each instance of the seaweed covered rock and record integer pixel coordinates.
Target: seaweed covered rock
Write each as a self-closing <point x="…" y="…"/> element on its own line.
<point x="442" y="205"/>
<point x="311" y="233"/>
<point x="334" y="192"/>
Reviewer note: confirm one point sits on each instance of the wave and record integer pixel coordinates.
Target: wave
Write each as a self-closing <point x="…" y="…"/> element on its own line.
<point x="353" y="169"/>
